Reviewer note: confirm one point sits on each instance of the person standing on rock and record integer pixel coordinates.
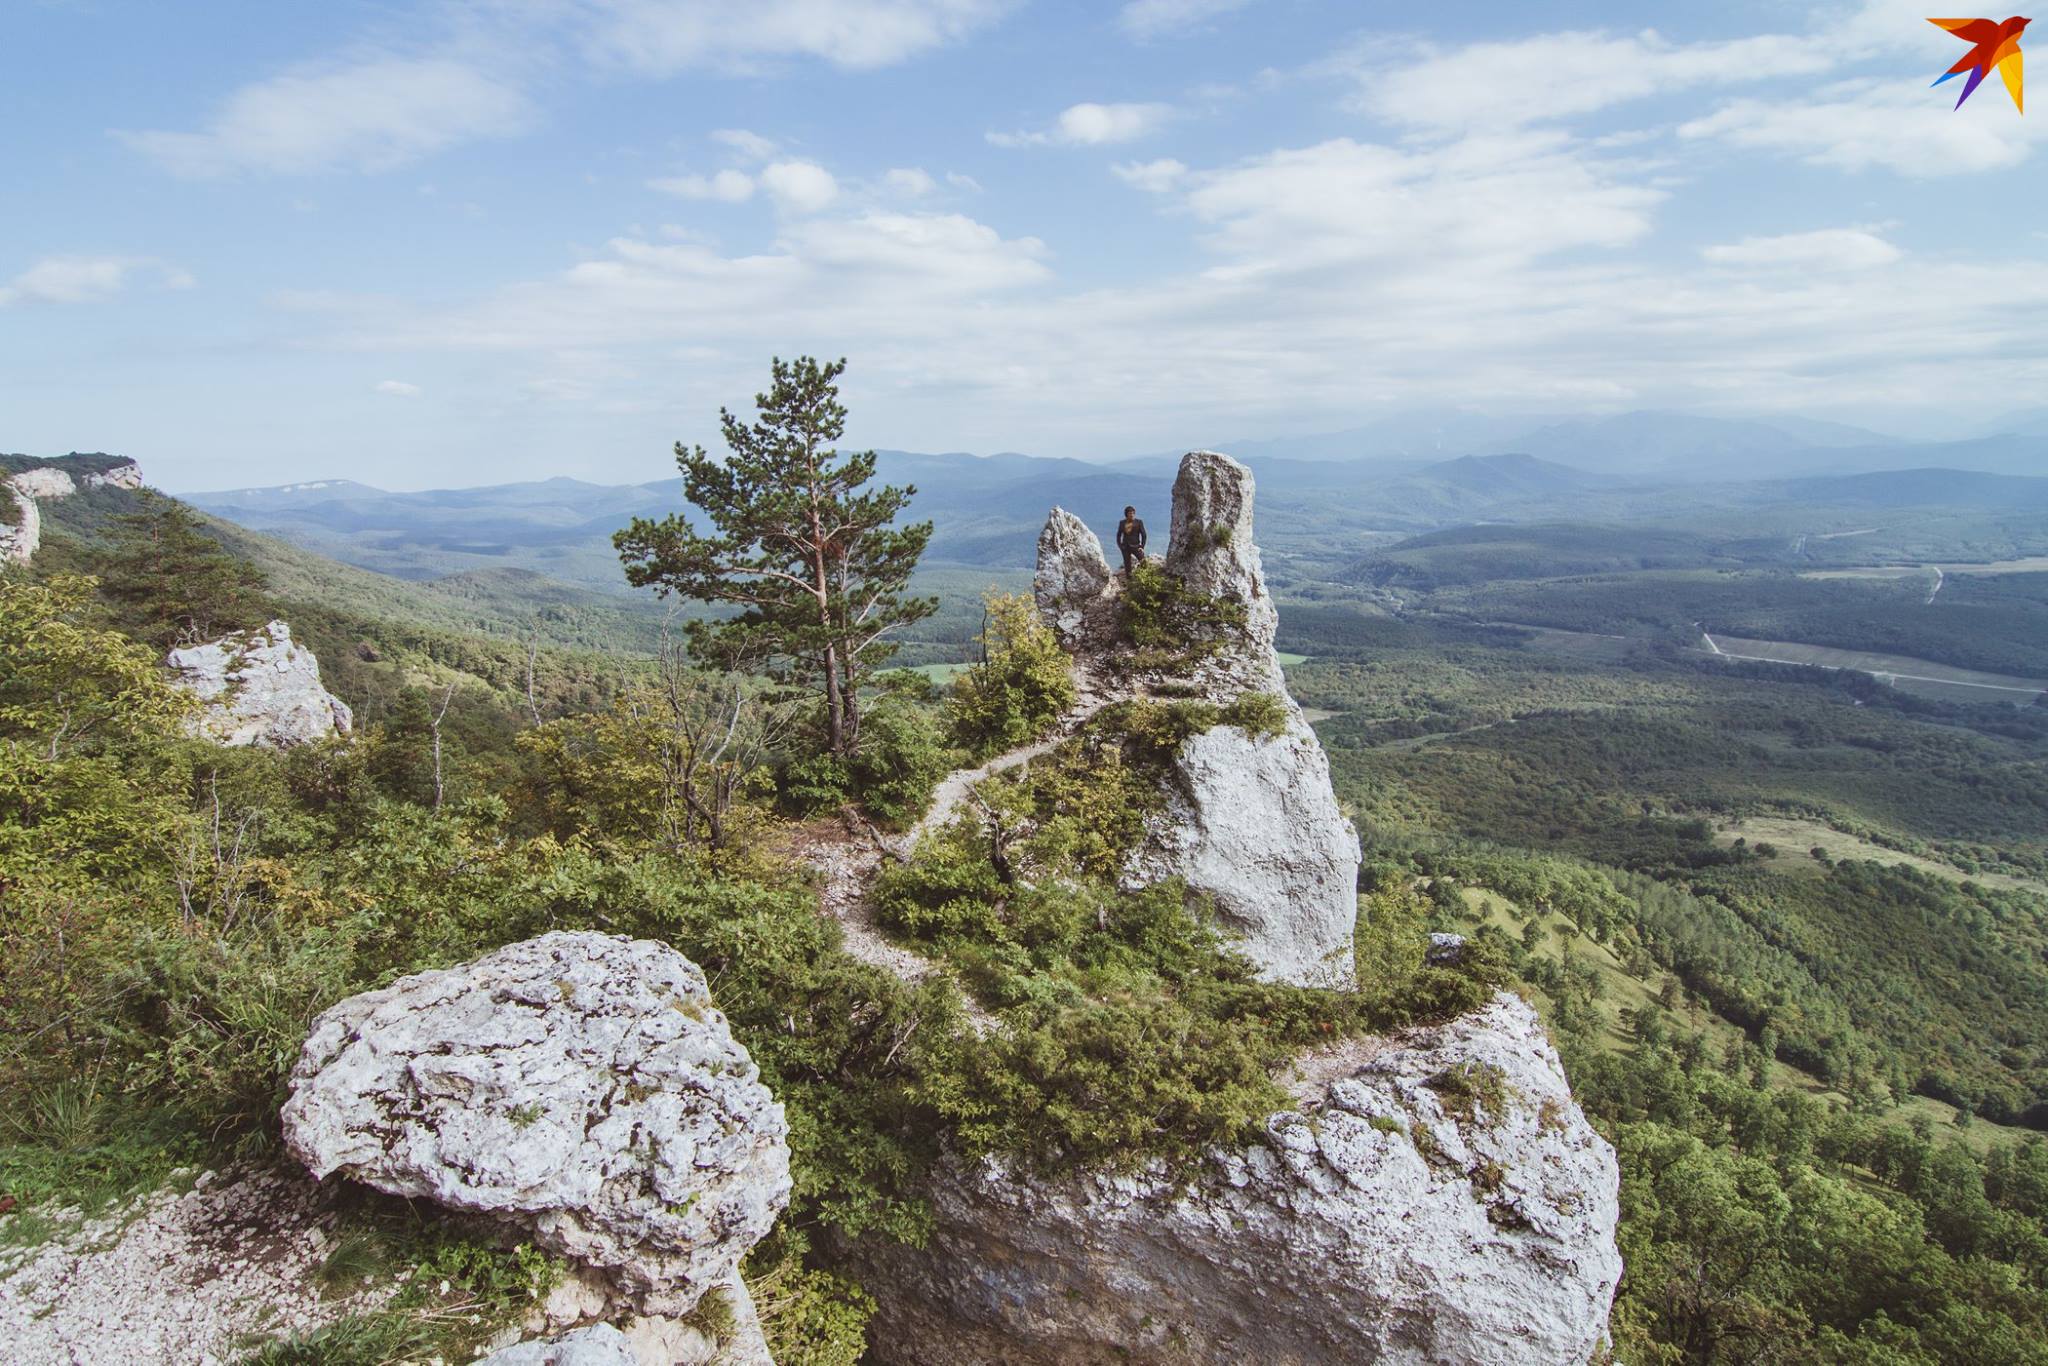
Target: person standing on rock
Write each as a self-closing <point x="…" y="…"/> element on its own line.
<point x="1130" y="538"/>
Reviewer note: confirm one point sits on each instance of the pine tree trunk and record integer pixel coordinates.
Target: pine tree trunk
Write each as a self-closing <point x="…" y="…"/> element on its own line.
<point x="835" y="727"/>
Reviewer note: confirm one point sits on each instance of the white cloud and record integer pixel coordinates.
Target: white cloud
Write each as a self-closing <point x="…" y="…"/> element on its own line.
<point x="727" y="187"/>
<point x="369" y="115"/>
<point x="663" y="36"/>
<point x="1151" y="18"/>
<point x="1858" y="125"/>
<point x="1154" y="177"/>
<point x="914" y="181"/>
<point x="1334" y="276"/>
<point x="1090" y="125"/>
<point x="1558" y="75"/>
<point x="398" y="388"/>
<point x="1483" y="201"/>
<point x="1825" y="249"/>
<point x="750" y="146"/>
<point x="799" y="186"/>
<point x="87" y="279"/>
<point x="959" y="180"/>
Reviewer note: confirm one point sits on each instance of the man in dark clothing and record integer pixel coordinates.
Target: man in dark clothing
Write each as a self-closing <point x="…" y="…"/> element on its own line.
<point x="1130" y="538"/>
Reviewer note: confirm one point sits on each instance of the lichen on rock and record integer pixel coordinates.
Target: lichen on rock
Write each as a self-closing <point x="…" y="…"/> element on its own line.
<point x="579" y="1085"/>
<point x="1394" y="1217"/>
<point x="259" y="688"/>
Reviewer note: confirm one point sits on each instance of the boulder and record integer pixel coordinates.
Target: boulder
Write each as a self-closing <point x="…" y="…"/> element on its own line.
<point x="578" y="1085"/>
<point x="1444" y="1202"/>
<point x="260" y="688"/>
<point x="1252" y="821"/>
<point x="1072" y="573"/>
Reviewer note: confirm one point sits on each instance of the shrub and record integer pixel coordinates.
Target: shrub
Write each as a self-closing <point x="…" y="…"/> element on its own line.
<point x="900" y="759"/>
<point x="1021" y="686"/>
<point x="1172" y="625"/>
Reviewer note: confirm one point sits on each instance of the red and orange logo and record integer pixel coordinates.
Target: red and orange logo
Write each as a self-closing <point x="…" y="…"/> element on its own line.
<point x="1991" y="45"/>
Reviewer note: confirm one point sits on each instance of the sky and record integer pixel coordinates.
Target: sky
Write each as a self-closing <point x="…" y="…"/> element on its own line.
<point x="459" y="242"/>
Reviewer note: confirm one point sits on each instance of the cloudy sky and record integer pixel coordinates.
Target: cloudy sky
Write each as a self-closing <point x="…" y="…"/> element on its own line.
<point x="440" y="242"/>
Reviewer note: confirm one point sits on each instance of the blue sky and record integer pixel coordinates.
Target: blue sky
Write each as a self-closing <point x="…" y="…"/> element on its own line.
<point x="469" y="241"/>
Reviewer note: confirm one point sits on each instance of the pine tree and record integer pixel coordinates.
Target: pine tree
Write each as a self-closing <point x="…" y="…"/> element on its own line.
<point x="172" y="583"/>
<point x="796" y="540"/>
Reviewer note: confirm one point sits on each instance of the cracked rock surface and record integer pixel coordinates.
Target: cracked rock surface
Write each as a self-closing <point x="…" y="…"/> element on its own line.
<point x="580" y="1085"/>
<point x="1440" y="1200"/>
<point x="259" y="688"/>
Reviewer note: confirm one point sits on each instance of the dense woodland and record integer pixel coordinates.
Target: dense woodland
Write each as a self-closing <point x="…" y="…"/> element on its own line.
<point x="1824" y="1072"/>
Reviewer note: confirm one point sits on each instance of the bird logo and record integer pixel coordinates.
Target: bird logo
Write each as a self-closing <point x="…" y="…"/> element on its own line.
<point x="1990" y="45"/>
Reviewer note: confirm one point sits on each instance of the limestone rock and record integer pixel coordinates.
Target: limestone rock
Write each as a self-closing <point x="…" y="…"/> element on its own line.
<point x="1446" y="1202"/>
<point x="21" y="538"/>
<point x="43" y="482"/>
<point x="1253" y="822"/>
<point x="260" y="688"/>
<point x="124" y="476"/>
<point x="1072" y="572"/>
<point x="1212" y="549"/>
<point x="1250" y="820"/>
<point x="197" y="1271"/>
<point x="598" y="1345"/>
<point x="580" y="1085"/>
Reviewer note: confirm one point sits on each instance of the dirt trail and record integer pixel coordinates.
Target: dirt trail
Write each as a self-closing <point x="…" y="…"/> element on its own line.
<point x="847" y="851"/>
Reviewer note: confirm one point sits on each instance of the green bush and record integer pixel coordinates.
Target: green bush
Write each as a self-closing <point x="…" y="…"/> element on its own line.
<point x="1023" y="683"/>
<point x="1172" y="626"/>
<point x="900" y="760"/>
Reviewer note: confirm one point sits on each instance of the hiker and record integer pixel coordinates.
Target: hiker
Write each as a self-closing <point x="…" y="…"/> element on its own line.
<point x="1130" y="538"/>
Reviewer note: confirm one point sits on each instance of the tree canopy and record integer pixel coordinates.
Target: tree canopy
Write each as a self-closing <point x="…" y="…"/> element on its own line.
<point x="796" y="539"/>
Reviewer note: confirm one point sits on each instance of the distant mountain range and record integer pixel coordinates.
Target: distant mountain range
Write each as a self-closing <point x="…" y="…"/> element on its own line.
<point x="1322" y="499"/>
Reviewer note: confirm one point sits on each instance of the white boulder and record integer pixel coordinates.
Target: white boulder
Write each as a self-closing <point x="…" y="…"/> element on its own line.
<point x="260" y="688"/>
<point x="580" y="1085"/>
<point x="1445" y="1202"/>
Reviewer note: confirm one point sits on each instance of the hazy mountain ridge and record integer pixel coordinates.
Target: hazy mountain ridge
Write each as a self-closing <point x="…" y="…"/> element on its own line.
<point x="1324" y="498"/>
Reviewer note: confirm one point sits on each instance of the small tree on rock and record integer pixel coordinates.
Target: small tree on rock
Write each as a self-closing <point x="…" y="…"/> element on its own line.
<point x="796" y="540"/>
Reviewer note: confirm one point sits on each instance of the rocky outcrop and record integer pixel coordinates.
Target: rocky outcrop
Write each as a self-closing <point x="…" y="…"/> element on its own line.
<point x="1212" y="550"/>
<point x="45" y="481"/>
<point x="598" y="1345"/>
<point x="578" y="1085"/>
<point x="1249" y="820"/>
<point x="259" y="688"/>
<point x="22" y="537"/>
<point x="22" y="534"/>
<point x="127" y="475"/>
<point x="1443" y="1202"/>
<point x="1252" y="821"/>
